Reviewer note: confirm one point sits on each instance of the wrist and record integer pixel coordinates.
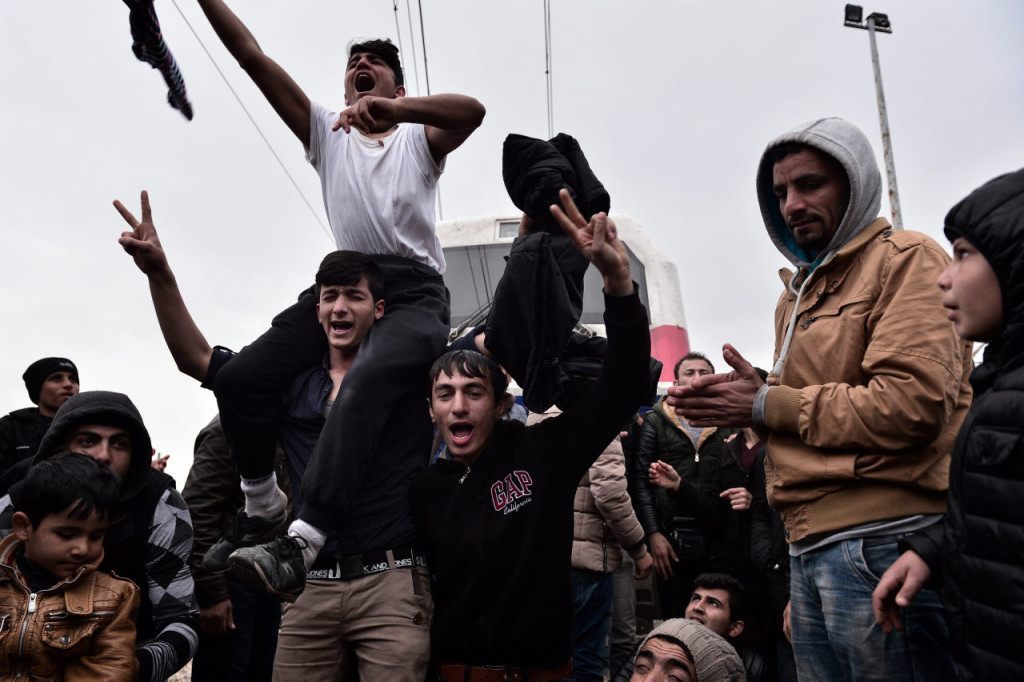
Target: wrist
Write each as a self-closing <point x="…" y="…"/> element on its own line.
<point x="394" y="109"/>
<point x="161" y="276"/>
<point x="618" y="285"/>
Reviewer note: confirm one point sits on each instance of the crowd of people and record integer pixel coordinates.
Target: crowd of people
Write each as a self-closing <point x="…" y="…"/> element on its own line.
<point x="849" y="514"/>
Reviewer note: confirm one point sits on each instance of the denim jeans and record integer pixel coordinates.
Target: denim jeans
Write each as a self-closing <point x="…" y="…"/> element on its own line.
<point x="835" y="636"/>
<point x="592" y="619"/>
<point x="622" y="638"/>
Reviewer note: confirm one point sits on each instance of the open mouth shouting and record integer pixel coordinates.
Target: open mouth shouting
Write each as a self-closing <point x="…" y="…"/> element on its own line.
<point x="364" y="82"/>
<point x="341" y="326"/>
<point x="462" y="433"/>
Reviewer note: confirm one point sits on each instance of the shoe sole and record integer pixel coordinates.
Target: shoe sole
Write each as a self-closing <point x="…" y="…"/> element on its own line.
<point x="250" y="573"/>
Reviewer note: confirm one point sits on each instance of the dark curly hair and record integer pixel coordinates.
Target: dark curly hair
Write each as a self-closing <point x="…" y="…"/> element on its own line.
<point x="386" y="50"/>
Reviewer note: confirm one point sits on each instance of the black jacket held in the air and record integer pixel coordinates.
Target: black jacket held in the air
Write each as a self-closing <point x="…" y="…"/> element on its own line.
<point x="978" y="554"/>
<point x="499" y="532"/>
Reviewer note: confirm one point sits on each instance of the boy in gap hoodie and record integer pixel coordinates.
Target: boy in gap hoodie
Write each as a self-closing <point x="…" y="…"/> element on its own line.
<point x="61" y="619"/>
<point x="861" y="408"/>
<point x="977" y="554"/>
<point x="498" y="516"/>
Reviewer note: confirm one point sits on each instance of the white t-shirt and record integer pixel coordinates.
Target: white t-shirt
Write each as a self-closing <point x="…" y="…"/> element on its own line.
<point x="379" y="194"/>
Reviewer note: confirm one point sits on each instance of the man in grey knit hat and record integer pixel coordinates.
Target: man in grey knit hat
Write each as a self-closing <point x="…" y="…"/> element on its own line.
<point x="689" y="651"/>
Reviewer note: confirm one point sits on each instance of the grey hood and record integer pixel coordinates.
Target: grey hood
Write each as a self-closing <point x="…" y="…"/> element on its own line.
<point x="106" y="408"/>
<point x="844" y="142"/>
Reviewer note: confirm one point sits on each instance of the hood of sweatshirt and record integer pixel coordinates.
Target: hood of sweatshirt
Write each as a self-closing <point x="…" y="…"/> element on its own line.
<point x="992" y="219"/>
<point x="109" y="409"/>
<point x="844" y="142"/>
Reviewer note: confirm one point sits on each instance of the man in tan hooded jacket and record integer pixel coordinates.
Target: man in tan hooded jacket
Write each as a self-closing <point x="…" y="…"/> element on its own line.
<point x="868" y="391"/>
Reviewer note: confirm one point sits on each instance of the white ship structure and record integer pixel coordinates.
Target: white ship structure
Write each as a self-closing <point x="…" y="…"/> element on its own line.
<point x="475" y="250"/>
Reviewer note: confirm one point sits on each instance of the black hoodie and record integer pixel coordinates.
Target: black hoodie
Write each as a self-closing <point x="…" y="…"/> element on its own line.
<point x="499" y="532"/>
<point x="107" y="408"/>
<point x="980" y="559"/>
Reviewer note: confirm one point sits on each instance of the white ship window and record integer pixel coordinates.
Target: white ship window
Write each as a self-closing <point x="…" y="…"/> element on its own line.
<point x="508" y="229"/>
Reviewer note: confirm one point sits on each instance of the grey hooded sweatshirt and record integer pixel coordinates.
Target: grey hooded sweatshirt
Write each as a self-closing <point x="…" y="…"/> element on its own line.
<point x="868" y="388"/>
<point x="846" y="143"/>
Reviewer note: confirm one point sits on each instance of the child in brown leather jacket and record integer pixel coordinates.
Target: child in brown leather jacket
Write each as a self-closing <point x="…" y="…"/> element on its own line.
<point x="60" y="618"/>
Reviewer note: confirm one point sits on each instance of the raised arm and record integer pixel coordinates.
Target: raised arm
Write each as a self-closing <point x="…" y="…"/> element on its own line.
<point x="448" y="119"/>
<point x="283" y="93"/>
<point x="188" y="346"/>
<point x="594" y="419"/>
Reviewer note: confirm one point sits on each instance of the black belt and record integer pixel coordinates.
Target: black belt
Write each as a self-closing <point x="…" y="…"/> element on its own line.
<point x="371" y="563"/>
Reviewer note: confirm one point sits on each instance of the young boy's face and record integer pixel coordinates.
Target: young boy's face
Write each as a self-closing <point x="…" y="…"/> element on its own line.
<point x="971" y="294"/>
<point x="61" y="544"/>
<point x="346" y="312"/>
<point x="465" y="411"/>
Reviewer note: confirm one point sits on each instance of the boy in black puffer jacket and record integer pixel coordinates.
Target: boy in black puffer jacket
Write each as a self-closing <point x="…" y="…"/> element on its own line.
<point x="977" y="555"/>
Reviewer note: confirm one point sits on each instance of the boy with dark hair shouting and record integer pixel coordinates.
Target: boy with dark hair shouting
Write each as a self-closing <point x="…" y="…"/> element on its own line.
<point x="498" y="516"/>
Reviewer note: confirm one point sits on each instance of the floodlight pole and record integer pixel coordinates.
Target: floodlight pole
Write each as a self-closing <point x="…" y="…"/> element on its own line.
<point x="883" y="118"/>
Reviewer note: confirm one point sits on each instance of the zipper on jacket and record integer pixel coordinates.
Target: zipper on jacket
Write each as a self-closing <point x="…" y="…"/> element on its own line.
<point x="24" y="624"/>
<point x="55" y="616"/>
<point x="463" y="477"/>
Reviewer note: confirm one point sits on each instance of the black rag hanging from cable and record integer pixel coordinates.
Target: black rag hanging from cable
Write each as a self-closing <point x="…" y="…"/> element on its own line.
<point x="149" y="46"/>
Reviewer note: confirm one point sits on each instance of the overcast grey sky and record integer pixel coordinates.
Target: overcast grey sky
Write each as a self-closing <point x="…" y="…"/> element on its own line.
<point x="673" y="102"/>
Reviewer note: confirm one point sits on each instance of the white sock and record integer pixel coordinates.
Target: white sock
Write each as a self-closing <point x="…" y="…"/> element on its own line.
<point x="314" y="538"/>
<point x="263" y="497"/>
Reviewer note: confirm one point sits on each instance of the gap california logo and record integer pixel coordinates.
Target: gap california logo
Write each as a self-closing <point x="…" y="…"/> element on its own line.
<point x="512" y="492"/>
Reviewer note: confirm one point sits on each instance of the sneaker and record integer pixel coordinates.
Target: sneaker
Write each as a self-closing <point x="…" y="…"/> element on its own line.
<point x="274" y="566"/>
<point x="245" y="532"/>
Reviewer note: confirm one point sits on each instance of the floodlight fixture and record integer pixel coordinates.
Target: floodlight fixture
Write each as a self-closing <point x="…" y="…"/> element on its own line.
<point x="881" y="22"/>
<point x="854" y="15"/>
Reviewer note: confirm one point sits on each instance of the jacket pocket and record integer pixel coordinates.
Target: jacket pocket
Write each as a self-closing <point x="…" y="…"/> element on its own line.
<point x="66" y="634"/>
<point x="839" y="329"/>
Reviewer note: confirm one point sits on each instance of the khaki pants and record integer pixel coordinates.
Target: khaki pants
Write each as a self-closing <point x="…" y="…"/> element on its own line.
<point x="381" y="620"/>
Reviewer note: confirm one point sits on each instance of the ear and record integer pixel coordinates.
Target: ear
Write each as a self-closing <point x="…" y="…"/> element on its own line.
<point x="430" y="409"/>
<point x="400" y="91"/>
<point x="505" y="403"/>
<point x="317" y="311"/>
<point x="378" y="309"/>
<point x="735" y="629"/>
<point x="22" y="526"/>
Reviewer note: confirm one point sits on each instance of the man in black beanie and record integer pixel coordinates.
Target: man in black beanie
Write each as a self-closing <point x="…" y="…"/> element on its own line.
<point x="50" y="382"/>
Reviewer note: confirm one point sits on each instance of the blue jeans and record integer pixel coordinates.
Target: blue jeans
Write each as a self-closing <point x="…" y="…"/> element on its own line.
<point x="835" y="636"/>
<point x="622" y="637"/>
<point x="592" y="619"/>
